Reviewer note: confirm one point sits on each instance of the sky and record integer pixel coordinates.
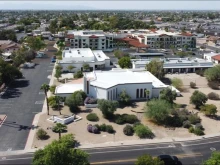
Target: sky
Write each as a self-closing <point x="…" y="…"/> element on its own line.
<point x="108" y="5"/>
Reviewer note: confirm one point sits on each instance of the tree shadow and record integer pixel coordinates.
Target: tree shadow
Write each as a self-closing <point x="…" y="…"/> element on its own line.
<point x="21" y="83"/>
<point x="20" y="127"/>
<point x="11" y="93"/>
<point x="166" y="81"/>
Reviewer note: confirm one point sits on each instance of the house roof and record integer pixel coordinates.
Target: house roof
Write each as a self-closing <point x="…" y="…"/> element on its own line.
<point x="93" y="36"/>
<point x="68" y="88"/>
<point x="216" y="57"/>
<point x="186" y="34"/>
<point x="108" y="79"/>
<point x="70" y="36"/>
<point x="141" y="36"/>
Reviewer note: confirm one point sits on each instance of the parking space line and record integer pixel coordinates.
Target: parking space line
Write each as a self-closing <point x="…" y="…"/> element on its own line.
<point x="39" y="102"/>
<point x="41" y="93"/>
<point x="3" y="120"/>
<point x="49" y="70"/>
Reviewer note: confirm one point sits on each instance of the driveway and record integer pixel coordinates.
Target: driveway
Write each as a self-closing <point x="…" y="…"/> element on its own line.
<point x="21" y="102"/>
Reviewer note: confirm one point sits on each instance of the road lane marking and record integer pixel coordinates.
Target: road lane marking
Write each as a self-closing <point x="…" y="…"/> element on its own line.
<point x="133" y="160"/>
<point x="138" y="149"/>
<point x="213" y="149"/>
<point x="200" y="143"/>
<point x="39" y="102"/>
<point x="17" y="159"/>
<point x="41" y="93"/>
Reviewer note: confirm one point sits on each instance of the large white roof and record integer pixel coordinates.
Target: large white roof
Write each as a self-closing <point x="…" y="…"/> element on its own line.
<point x="79" y="52"/>
<point x="68" y="88"/>
<point x="108" y="79"/>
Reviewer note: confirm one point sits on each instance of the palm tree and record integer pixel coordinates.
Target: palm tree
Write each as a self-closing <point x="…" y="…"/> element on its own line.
<point x="59" y="128"/>
<point x="46" y="88"/>
<point x="58" y="99"/>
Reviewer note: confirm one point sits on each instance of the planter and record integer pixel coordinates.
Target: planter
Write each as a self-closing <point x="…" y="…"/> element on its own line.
<point x="91" y="105"/>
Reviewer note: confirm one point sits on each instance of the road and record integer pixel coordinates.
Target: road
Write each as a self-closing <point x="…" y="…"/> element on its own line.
<point x="21" y="102"/>
<point x="210" y="47"/>
<point x="189" y="153"/>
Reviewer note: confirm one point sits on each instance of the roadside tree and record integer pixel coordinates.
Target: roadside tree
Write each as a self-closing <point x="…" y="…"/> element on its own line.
<point x="214" y="159"/>
<point x="45" y="88"/>
<point x="59" y="128"/>
<point x="61" y="152"/>
<point x="148" y="160"/>
<point x="198" y="99"/>
<point x="35" y="43"/>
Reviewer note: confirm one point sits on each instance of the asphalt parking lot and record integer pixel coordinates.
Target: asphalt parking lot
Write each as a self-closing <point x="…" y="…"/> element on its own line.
<point x="21" y="102"/>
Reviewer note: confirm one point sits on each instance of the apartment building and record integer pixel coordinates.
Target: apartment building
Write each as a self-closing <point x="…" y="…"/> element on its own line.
<point x="160" y="39"/>
<point x="93" y="39"/>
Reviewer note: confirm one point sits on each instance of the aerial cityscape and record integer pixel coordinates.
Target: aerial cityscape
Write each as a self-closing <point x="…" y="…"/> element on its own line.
<point x="110" y="82"/>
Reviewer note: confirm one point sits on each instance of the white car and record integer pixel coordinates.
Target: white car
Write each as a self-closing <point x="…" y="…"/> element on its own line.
<point x="29" y="65"/>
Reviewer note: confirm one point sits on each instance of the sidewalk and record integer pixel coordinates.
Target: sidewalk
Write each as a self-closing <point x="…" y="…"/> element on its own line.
<point x="32" y="132"/>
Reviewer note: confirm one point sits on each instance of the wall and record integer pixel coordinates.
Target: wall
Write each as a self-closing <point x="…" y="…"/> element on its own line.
<point x="97" y="92"/>
<point x="156" y="92"/>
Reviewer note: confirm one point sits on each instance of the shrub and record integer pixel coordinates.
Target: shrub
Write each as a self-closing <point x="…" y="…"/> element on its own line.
<point x="143" y="131"/>
<point x="89" y="128"/>
<point x="209" y="109"/>
<point x="53" y="88"/>
<point x="128" y="130"/>
<point x="213" y="85"/>
<point x="92" y="117"/>
<point x="109" y="129"/>
<point x="198" y="131"/>
<point x="199" y="126"/>
<point x="213" y="96"/>
<point x="119" y="119"/>
<point x="78" y="74"/>
<point x="95" y="129"/>
<point x="174" y="121"/>
<point x="131" y="119"/>
<point x="136" y="124"/>
<point x="177" y="83"/>
<point x="191" y="129"/>
<point x="194" y="119"/>
<point x="103" y="127"/>
<point x="192" y="84"/>
<point x="41" y="134"/>
<point x="97" y="126"/>
<point x="186" y="124"/>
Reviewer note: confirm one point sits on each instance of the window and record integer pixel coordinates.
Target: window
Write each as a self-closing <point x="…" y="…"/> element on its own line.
<point x="113" y="94"/>
<point x="141" y="93"/>
<point x="137" y="93"/>
<point x="76" y="40"/>
<point x="108" y="95"/>
<point x="103" y="39"/>
<point x="145" y="93"/>
<point x="103" y="43"/>
<point x="84" y="40"/>
<point x="75" y="44"/>
<point x="83" y="43"/>
<point x="116" y="93"/>
<point x="103" y="47"/>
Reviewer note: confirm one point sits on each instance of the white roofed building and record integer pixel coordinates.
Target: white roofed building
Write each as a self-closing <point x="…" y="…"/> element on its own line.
<point x="96" y="59"/>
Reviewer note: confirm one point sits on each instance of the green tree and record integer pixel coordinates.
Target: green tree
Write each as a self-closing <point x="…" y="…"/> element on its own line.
<point x="107" y="107"/>
<point x="148" y="160"/>
<point x="86" y="67"/>
<point x="177" y="83"/>
<point x="35" y="43"/>
<point x="213" y="74"/>
<point x="70" y="68"/>
<point x="209" y="109"/>
<point x="168" y="95"/>
<point x="198" y="99"/>
<point x="58" y="74"/>
<point x="61" y="152"/>
<point x="8" y="35"/>
<point x="158" y="110"/>
<point x="78" y="74"/>
<point x="124" y="97"/>
<point x="214" y="159"/>
<point x="59" y="128"/>
<point x="156" y="68"/>
<point x="58" y="100"/>
<point x="125" y="62"/>
<point x="45" y="88"/>
<point x="53" y="88"/>
<point x="75" y="100"/>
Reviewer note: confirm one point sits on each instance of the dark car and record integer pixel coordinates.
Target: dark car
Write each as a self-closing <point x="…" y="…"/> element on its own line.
<point x="168" y="159"/>
<point x="53" y="60"/>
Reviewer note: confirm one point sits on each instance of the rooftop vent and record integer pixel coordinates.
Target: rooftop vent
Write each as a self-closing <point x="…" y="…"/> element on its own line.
<point x="70" y="51"/>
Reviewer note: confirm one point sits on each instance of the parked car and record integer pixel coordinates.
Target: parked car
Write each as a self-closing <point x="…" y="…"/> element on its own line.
<point x="53" y="60"/>
<point x="29" y="65"/>
<point x="169" y="160"/>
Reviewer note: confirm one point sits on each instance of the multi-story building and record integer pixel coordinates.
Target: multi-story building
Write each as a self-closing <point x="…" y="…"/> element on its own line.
<point x="97" y="39"/>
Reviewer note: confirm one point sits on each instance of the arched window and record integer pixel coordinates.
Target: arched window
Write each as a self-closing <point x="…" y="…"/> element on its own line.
<point x="145" y="93"/>
<point x="141" y="93"/>
<point x="137" y="93"/>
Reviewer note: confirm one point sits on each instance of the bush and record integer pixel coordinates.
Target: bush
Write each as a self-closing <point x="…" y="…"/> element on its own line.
<point x="78" y="74"/>
<point x="103" y="127"/>
<point x="199" y="126"/>
<point x="186" y="124"/>
<point x="213" y="96"/>
<point x="52" y="89"/>
<point x="42" y="134"/>
<point x="97" y="126"/>
<point x="177" y="83"/>
<point x="89" y="128"/>
<point x="131" y="119"/>
<point x="191" y="129"/>
<point x="198" y="131"/>
<point x="95" y="129"/>
<point x="119" y="119"/>
<point x="192" y="84"/>
<point x="213" y="85"/>
<point x="143" y="131"/>
<point x="128" y="130"/>
<point x="92" y="117"/>
<point x="109" y="129"/>
<point x="194" y="119"/>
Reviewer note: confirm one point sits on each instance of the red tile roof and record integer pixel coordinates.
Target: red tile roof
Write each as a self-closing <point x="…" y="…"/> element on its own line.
<point x="141" y="36"/>
<point x="186" y="34"/>
<point x="71" y="36"/>
<point x="216" y="57"/>
<point x="93" y="36"/>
